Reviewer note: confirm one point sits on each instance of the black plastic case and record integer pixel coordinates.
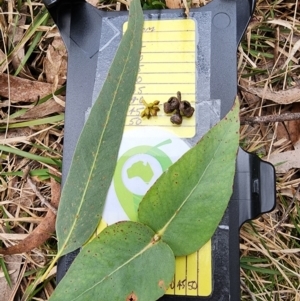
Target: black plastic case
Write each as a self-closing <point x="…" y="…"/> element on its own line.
<point x="220" y="26"/>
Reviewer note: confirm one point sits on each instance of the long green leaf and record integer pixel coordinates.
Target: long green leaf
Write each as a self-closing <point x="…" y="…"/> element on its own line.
<point x="186" y="204"/>
<point x="96" y="153"/>
<point x="123" y="263"/>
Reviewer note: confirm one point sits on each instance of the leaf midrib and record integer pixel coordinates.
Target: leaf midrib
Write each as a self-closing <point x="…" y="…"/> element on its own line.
<point x="162" y="230"/>
<point x="151" y="244"/>
<point x="99" y="144"/>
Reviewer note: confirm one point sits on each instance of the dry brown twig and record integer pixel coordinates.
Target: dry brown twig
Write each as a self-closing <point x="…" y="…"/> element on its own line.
<point x="39" y="195"/>
<point x="269" y="118"/>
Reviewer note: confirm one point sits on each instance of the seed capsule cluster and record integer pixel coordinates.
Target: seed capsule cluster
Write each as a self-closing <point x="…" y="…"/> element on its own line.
<point x="178" y="108"/>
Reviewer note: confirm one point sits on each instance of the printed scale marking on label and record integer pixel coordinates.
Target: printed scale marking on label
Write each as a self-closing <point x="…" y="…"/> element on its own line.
<point x="150" y="146"/>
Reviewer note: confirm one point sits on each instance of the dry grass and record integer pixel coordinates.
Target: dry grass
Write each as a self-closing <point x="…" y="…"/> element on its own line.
<point x="269" y="76"/>
<point x="269" y="66"/>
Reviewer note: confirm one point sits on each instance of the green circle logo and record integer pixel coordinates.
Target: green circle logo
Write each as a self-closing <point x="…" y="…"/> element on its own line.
<point x="136" y="171"/>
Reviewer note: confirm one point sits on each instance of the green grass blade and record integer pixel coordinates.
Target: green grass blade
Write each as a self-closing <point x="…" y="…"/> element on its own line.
<point x="30" y="156"/>
<point x="96" y="153"/>
<point x="39" y="20"/>
<point x="35" y="41"/>
<point x="5" y="271"/>
<point x="15" y="115"/>
<point x="46" y="120"/>
<point x="42" y="174"/>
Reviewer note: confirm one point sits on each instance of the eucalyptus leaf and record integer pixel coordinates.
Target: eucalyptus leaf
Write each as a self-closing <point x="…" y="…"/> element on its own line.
<point x="96" y="153"/>
<point x="186" y="204"/>
<point x="123" y="263"/>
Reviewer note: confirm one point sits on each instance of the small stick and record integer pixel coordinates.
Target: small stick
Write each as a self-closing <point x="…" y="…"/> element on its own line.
<point x="269" y="118"/>
<point x="39" y="195"/>
<point x="26" y="171"/>
<point x="187" y="10"/>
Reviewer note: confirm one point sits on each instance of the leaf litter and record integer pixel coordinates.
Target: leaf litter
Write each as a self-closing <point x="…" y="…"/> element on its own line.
<point x="42" y="232"/>
<point x="22" y="90"/>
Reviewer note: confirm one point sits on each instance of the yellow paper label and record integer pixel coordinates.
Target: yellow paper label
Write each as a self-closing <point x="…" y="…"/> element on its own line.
<point x="167" y="65"/>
